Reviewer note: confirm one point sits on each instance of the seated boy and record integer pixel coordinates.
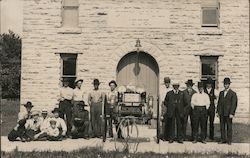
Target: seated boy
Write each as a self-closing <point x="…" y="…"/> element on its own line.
<point x="51" y="133"/>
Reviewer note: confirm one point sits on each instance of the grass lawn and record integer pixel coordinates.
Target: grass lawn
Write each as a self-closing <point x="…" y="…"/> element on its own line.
<point x="98" y="153"/>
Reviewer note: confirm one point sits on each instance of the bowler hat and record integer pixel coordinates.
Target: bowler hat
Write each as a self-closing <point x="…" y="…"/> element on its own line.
<point x="113" y="81"/>
<point x="28" y="104"/>
<point x="209" y="80"/>
<point x="56" y="110"/>
<point x="96" y="82"/>
<point x="82" y="103"/>
<point x="78" y="80"/>
<point x="200" y="84"/>
<point x="190" y="82"/>
<point x="227" y="80"/>
<point x="167" y="80"/>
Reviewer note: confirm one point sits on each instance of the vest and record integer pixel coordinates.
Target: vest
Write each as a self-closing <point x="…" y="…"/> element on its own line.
<point x="211" y="95"/>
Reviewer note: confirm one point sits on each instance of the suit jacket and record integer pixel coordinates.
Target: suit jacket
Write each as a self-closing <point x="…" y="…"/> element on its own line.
<point x="227" y="105"/>
<point x="188" y="97"/>
<point x="174" y="102"/>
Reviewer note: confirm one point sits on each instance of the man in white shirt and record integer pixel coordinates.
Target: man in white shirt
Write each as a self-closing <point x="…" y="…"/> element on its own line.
<point x="65" y="105"/>
<point x="32" y="126"/>
<point x="77" y="93"/>
<point x="60" y="123"/>
<point x="200" y="103"/>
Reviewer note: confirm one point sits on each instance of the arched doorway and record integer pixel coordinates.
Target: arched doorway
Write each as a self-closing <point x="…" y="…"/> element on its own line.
<point x="139" y="69"/>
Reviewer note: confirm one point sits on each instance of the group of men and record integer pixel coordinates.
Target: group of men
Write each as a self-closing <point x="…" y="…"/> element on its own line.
<point x="33" y="125"/>
<point x="200" y="107"/>
<point x="71" y="119"/>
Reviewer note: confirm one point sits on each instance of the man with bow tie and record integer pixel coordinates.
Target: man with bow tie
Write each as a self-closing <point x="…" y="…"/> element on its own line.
<point x="226" y="108"/>
<point x="174" y="103"/>
<point x="213" y="96"/>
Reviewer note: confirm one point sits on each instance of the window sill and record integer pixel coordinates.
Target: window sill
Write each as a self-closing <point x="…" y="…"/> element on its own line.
<point x="69" y="30"/>
<point x="209" y="31"/>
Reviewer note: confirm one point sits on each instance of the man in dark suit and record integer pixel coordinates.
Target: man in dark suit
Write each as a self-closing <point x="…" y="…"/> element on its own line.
<point x="174" y="103"/>
<point x="213" y="95"/>
<point x="226" y="108"/>
<point x="188" y="93"/>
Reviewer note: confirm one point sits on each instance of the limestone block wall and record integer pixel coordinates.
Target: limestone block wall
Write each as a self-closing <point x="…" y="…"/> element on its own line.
<point x="169" y="30"/>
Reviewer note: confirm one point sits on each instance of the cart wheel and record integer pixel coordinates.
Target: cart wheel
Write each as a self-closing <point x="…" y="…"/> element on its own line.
<point x="104" y="124"/>
<point x="129" y="132"/>
<point x="158" y="123"/>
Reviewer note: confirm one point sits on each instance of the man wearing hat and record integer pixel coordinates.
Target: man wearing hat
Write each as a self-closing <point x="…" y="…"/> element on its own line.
<point x="78" y="93"/>
<point x="65" y="106"/>
<point x="226" y="108"/>
<point x="165" y="124"/>
<point x="200" y="103"/>
<point x="174" y="103"/>
<point x="96" y="100"/>
<point x="188" y="93"/>
<point x="80" y="121"/>
<point x="60" y="123"/>
<point x="32" y="126"/>
<point x="19" y="129"/>
<point x="213" y="95"/>
<point x="45" y="120"/>
<point x="111" y="107"/>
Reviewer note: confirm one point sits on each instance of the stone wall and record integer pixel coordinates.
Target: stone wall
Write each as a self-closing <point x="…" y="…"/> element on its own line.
<point x="169" y="30"/>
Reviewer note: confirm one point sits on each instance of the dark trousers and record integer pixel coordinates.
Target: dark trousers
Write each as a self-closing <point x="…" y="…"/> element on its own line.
<point x="81" y="129"/>
<point x="166" y="125"/>
<point x="177" y="120"/>
<point x="96" y="120"/>
<point x="200" y="120"/>
<point x="211" y="115"/>
<point x="187" y="112"/>
<point x="226" y="122"/>
<point x="109" y="117"/>
<point x="45" y="136"/>
<point x="66" y="110"/>
<point x="19" y="133"/>
<point x="30" y="133"/>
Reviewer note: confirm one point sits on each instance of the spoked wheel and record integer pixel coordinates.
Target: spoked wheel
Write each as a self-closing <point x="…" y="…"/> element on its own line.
<point x="104" y="124"/>
<point x="129" y="136"/>
<point x="158" y="123"/>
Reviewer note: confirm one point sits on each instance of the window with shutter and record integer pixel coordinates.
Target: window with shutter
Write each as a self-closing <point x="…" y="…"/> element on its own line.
<point x="70" y="13"/>
<point x="210" y="13"/>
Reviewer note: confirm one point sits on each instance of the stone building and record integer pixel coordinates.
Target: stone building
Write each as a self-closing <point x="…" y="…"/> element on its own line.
<point x="135" y="42"/>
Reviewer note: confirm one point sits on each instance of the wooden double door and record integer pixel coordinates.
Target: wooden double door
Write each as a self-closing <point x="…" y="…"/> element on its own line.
<point x="139" y="69"/>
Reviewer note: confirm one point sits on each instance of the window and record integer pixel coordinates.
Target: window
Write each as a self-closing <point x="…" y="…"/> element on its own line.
<point x="209" y="68"/>
<point x="70" y="13"/>
<point x="68" y="67"/>
<point x="210" y="13"/>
